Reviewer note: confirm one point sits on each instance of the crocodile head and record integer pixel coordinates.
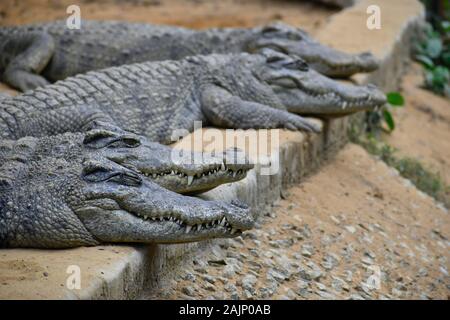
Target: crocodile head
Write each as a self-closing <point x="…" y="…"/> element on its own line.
<point x="122" y="206"/>
<point x="181" y="171"/>
<point x="63" y="195"/>
<point x="324" y="59"/>
<point x="288" y="81"/>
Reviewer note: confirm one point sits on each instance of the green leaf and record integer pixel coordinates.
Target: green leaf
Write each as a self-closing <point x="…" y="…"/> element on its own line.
<point x="389" y="119"/>
<point x="434" y="47"/>
<point x="436" y="79"/>
<point x="441" y="75"/>
<point x="445" y="25"/>
<point x="426" y="61"/>
<point x="395" y="99"/>
<point x="446" y="58"/>
<point x="428" y="29"/>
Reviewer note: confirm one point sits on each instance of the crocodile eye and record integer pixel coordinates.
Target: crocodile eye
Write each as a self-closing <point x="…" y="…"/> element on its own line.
<point x="124" y="142"/>
<point x="126" y="178"/>
<point x="94" y="172"/>
<point x="297" y="64"/>
<point x="100" y="138"/>
<point x="274" y="59"/>
<point x="297" y="35"/>
<point x="269" y="29"/>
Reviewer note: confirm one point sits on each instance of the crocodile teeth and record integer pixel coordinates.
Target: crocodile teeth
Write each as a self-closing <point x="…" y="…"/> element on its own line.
<point x="233" y="230"/>
<point x="190" y="180"/>
<point x="234" y="174"/>
<point x="188" y="229"/>
<point x="199" y="227"/>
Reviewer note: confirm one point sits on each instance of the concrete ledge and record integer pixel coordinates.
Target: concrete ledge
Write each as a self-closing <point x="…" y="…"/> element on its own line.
<point x="400" y="20"/>
<point x="121" y="272"/>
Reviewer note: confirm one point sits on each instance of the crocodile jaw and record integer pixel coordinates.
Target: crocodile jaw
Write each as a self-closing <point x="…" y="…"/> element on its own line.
<point x="341" y="65"/>
<point x="150" y="213"/>
<point x="183" y="171"/>
<point x="185" y="183"/>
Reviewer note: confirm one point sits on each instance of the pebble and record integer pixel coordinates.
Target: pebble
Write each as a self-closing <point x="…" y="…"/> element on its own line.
<point x="301" y="284"/>
<point x="307" y="250"/>
<point x="291" y="294"/>
<point x="248" y="282"/>
<point x="304" y="293"/>
<point x="338" y="284"/>
<point x="210" y="287"/>
<point x="189" y="277"/>
<point x="209" y="279"/>
<point x="356" y="296"/>
<point x="310" y="274"/>
<point x="275" y="275"/>
<point x="248" y="294"/>
<point x="201" y="270"/>
<point x="329" y="261"/>
<point x="188" y="290"/>
<point x="235" y="296"/>
<point x="350" y="229"/>
<point x="229" y="287"/>
<point x="326" y="295"/>
<point x="228" y="271"/>
<point x="321" y="286"/>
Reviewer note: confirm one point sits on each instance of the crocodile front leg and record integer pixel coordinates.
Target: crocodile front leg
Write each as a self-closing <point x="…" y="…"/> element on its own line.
<point x="28" y="55"/>
<point x="226" y="110"/>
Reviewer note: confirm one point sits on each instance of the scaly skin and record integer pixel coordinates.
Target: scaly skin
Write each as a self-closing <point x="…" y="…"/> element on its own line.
<point x="78" y="189"/>
<point x="180" y="171"/>
<point x="33" y="55"/>
<point x="155" y="99"/>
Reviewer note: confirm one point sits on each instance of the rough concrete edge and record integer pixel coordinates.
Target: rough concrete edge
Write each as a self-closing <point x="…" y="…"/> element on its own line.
<point x="393" y="65"/>
<point x="396" y="60"/>
<point x="148" y="266"/>
<point x="121" y="280"/>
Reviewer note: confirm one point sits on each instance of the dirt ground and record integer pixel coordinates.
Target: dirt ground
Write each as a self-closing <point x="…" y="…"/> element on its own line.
<point x="188" y="13"/>
<point x="353" y="219"/>
<point x="423" y="125"/>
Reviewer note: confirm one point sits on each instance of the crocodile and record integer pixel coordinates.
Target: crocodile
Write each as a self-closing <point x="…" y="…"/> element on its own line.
<point x="77" y="189"/>
<point x="158" y="99"/>
<point x="181" y="171"/>
<point x="34" y="55"/>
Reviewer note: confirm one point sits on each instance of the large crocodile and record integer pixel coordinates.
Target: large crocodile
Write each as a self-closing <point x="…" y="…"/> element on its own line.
<point x="77" y="189"/>
<point x="32" y="55"/>
<point x="156" y="98"/>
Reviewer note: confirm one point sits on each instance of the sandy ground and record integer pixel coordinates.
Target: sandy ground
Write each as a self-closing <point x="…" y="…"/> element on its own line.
<point x="190" y="13"/>
<point x="353" y="219"/>
<point x="423" y="125"/>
